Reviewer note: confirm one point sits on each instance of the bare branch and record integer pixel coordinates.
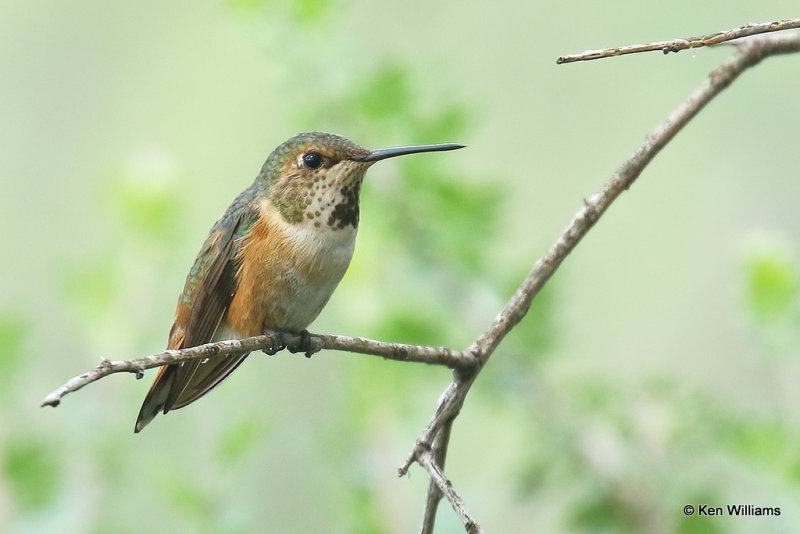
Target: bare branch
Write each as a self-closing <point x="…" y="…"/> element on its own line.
<point x="434" y="493"/>
<point x="452" y="399"/>
<point x="447" y="408"/>
<point x="427" y="461"/>
<point x="269" y="342"/>
<point x="677" y="45"/>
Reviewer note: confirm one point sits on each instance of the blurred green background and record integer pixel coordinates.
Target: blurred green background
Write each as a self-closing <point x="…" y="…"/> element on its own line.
<point x="659" y="367"/>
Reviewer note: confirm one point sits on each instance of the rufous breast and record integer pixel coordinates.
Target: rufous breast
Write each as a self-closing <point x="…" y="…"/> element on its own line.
<point x="287" y="272"/>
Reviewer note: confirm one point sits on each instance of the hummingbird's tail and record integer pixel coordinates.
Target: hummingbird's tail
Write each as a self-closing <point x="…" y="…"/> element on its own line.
<point x="180" y="384"/>
<point x="156" y="398"/>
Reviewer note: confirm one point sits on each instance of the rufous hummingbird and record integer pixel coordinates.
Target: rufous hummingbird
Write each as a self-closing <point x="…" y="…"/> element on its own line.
<point x="272" y="261"/>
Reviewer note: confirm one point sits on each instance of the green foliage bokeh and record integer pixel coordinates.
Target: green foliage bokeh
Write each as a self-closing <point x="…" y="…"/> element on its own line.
<point x="656" y="369"/>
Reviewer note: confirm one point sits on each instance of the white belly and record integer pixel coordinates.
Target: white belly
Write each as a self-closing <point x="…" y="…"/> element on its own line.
<point x="310" y="280"/>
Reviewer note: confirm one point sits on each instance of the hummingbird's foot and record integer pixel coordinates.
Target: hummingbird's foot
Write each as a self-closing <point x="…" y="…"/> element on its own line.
<point x="277" y="343"/>
<point x="304" y="345"/>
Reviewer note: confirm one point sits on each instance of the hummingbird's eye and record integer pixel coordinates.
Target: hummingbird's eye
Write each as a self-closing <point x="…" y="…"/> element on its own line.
<point x="312" y="160"/>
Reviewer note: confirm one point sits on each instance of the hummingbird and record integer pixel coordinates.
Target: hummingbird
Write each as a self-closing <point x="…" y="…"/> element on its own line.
<point x="272" y="261"/>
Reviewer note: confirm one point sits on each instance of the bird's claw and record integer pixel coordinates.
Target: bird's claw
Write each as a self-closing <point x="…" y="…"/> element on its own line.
<point x="304" y="345"/>
<point x="277" y="343"/>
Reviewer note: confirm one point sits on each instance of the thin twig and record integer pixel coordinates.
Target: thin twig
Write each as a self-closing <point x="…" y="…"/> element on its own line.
<point x="447" y="408"/>
<point x="391" y="351"/>
<point x="434" y="493"/>
<point x="677" y="45"/>
<point x="427" y="461"/>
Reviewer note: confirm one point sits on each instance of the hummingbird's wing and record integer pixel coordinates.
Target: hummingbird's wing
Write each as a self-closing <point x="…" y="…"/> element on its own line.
<point x="208" y="292"/>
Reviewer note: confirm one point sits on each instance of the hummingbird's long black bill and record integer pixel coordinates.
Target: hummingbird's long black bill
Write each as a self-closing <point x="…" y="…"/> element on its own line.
<point x="383" y="153"/>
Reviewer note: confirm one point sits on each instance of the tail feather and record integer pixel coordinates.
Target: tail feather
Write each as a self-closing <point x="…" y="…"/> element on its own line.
<point x="156" y="398"/>
<point x="181" y="384"/>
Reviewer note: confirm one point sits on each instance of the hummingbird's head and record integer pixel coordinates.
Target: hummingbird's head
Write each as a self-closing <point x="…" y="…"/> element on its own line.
<point x="316" y="177"/>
